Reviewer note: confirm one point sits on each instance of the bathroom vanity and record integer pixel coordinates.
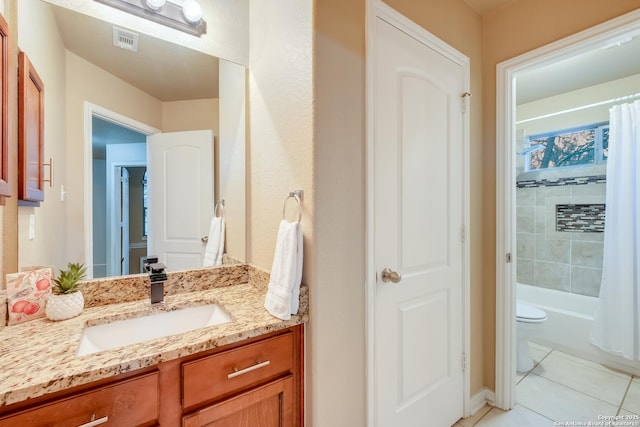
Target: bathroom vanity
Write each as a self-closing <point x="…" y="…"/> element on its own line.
<point x="230" y="374"/>
<point x="234" y="385"/>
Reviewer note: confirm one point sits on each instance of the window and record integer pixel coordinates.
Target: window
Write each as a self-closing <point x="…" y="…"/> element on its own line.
<point x="586" y="145"/>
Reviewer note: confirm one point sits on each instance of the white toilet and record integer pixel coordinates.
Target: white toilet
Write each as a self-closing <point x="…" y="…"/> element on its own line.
<point x="530" y="321"/>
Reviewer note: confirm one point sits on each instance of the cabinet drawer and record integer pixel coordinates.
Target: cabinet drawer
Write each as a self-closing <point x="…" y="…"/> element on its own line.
<point x="132" y="402"/>
<point x="210" y="377"/>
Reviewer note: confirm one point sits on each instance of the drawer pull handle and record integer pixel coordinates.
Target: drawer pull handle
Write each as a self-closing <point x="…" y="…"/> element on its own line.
<point x="95" y="422"/>
<point x="259" y="365"/>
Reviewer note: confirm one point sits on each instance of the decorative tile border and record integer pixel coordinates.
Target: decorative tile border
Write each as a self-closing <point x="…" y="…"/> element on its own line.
<point x="584" y="218"/>
<point x="578" y="180"/>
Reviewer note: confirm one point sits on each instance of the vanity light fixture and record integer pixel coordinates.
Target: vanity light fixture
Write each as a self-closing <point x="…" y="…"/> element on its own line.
<point x="192" y="11"/>
<point x="155" y="4"/>
<point x="186" y="17"/>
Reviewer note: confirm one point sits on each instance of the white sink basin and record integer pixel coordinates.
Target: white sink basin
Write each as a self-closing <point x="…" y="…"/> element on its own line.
<point x="121" y="333"/>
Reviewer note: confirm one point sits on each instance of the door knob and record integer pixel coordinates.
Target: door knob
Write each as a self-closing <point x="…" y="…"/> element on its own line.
<point x="388" y="275"/>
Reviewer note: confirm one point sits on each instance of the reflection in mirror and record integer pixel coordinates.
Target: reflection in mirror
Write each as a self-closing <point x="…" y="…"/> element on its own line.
<point x="125" y="194"/>
<point x="114" y="98"/>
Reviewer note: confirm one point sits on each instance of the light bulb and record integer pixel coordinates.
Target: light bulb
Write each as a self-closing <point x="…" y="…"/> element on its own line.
<point x="192" y="11"/>
<point x="155" y="4"/>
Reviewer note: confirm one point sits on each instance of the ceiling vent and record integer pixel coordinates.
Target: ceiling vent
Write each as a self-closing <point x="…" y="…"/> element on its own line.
<point x="125" y="39"/>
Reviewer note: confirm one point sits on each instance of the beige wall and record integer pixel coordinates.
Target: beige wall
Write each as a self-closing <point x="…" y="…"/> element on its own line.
<point x="515" y="29"/>
<point x="336" y="332"/>
<point x="280" y="149"/>
<point x="46" y="53"/>
<point x="196" y="114"/>
<point x="280" y="156"/>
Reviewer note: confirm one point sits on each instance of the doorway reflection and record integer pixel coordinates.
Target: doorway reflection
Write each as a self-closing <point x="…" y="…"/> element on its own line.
<point x="119" y="208"/>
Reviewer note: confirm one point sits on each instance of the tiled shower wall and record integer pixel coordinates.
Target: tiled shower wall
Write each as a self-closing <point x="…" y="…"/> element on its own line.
<point x="569" y="261"/>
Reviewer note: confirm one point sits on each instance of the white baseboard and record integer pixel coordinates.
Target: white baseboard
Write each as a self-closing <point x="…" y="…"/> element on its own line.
<point x="481" y="398"/>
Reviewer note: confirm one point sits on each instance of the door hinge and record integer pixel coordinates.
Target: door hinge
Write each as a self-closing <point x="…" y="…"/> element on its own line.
<point x="464" y="362"/>
<point x="463" y="233"/>
<point x="466" y="98"/>
<point x="508" y="257"/>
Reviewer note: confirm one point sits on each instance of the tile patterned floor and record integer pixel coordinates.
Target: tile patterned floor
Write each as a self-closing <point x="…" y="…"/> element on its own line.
<point x="563" y="390"/>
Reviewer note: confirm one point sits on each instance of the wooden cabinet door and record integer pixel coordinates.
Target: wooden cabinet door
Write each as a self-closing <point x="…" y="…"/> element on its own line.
<point x="30" y="132"/>
<point x="270" y="405"/>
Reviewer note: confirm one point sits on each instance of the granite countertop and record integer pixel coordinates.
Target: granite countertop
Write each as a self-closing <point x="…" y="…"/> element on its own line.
<point x="39" y="356"/>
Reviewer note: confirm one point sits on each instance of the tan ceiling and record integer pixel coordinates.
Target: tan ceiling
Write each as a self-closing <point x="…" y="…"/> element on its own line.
<point x="485" y="6"/>
<point x="164" y="70"/>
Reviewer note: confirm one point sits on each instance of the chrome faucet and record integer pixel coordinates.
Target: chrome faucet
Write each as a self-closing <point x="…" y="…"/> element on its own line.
<point x="157" y="277"/>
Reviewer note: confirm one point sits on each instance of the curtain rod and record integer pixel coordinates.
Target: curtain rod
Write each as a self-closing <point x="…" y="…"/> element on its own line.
<point x="583" y="107"/>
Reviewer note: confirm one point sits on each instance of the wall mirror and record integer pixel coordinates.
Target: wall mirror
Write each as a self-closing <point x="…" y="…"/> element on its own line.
<point x="121" y="89"/>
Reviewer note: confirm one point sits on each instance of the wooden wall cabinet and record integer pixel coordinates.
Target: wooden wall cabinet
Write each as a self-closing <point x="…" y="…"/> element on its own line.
<point x="30" y="132"/>
<point x="256" y="383"/>
<point x="5" y="187"/>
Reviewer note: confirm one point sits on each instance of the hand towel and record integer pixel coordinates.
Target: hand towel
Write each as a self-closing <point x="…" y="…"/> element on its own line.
<point x="283" y="293"/>
<point x="215" y="244"/>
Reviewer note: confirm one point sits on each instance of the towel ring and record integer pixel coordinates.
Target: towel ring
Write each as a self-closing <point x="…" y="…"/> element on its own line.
<point x="293" y="195"/>
<point x="219" y="205"/>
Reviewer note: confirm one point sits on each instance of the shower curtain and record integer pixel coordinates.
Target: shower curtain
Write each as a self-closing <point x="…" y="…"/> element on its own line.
<point x="616" y="325"/>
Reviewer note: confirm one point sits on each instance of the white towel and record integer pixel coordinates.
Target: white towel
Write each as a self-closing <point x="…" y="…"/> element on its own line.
<point x="215" y="244"/>
<point x="283" y="293"/>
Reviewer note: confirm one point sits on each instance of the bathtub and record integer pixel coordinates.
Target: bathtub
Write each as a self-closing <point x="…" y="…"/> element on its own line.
<point x="568" y="326"/>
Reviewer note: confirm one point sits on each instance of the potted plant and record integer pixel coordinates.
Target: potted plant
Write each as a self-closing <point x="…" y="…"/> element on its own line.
<point x="66" y="301"/>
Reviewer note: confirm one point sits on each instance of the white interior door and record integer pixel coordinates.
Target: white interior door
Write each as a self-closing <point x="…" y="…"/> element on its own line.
<point x="118" y="263"/>
<point x="418" y="171"/>
<point x="124" y="221"/>
<point x="180" y="185"/>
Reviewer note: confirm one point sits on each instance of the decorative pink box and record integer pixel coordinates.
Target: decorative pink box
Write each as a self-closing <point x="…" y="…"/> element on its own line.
<point x="27" y="294"/>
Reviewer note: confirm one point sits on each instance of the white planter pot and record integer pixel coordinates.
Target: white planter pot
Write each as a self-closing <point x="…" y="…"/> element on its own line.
<point x="64" y="306"/>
